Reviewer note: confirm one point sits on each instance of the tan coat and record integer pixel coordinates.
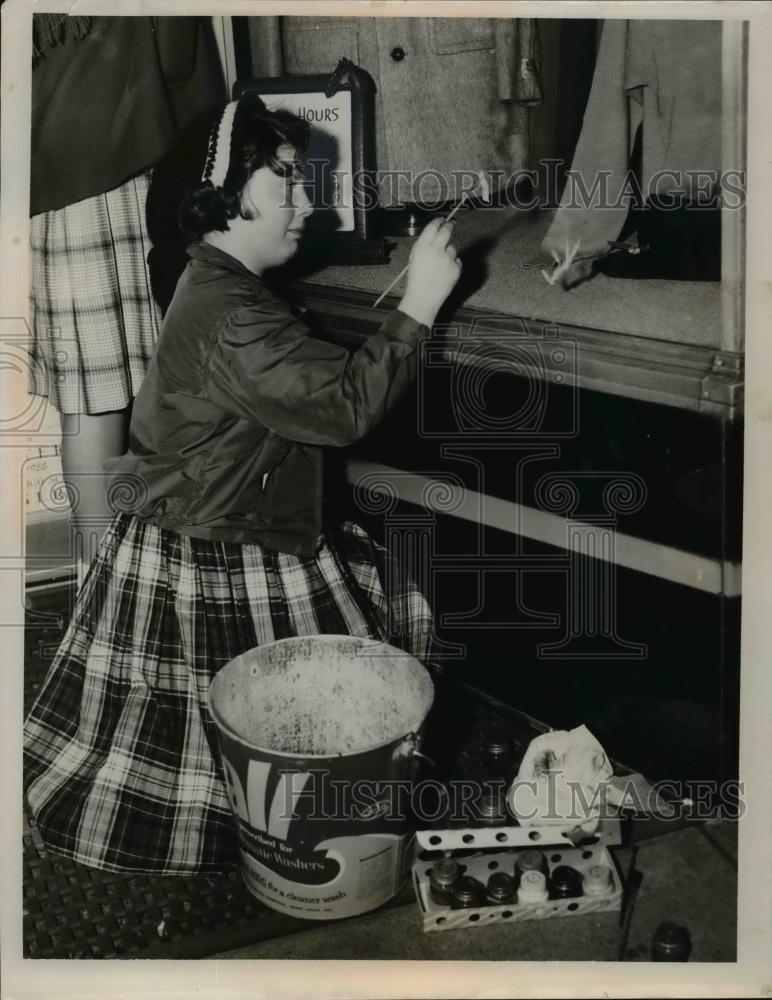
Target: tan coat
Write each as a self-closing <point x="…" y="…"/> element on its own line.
<point x="666" y="77"/>
<point x="452" y="93"/>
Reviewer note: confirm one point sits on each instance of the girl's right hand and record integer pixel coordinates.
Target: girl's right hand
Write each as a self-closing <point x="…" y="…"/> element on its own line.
<point x="434" y="270"/>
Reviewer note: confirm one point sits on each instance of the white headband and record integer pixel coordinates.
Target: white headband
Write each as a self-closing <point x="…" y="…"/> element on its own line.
<point x="219" y="153"/>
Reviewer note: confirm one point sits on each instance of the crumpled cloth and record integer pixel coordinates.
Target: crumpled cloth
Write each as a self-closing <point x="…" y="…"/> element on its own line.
<point x="561" y="781"/>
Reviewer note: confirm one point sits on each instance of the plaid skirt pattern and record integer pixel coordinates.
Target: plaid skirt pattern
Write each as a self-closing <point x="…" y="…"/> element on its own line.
<point x="93" y="317"/>
<point x="121" y="767"/>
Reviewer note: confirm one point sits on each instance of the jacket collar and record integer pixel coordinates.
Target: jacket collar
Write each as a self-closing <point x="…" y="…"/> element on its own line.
<point x="219" y="258"/>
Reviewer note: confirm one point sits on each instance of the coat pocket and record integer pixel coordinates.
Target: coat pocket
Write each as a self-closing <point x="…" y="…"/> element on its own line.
<point x="316" y="44"/>
<point x="448" y="35"/>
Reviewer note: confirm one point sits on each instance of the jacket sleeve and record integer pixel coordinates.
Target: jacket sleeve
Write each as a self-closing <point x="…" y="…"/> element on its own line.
<point x="267" y="367"/>
<point x="603" y="150"/>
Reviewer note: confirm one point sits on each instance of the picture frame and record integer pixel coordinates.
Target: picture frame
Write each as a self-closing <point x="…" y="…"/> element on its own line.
<point x="340" y="158"/>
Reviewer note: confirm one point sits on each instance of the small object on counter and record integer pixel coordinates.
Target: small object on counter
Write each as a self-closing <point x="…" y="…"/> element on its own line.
<point x="634" y="248"/>
<point x="528" y="861"/>
<point x="597" y="881"/>
<point x="542" y="259"/>
<point x="565" y="883"/>
<point x="671" y="943"/>
<point x="444" y="875"/>
<point x="492" y="806"/>
<point x="562" y="263"/>
<point x="500" y="889"/>
<point x="532" y="888"/>
<point x="490" y="752"/>
<point x="412" y="224"/>
<point x="467" y="893"/>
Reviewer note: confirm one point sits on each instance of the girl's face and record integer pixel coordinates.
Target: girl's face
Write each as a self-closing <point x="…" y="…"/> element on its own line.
<point x="279" y="207"/>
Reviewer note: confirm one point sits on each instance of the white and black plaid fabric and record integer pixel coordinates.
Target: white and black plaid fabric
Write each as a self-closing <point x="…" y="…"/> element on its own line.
<point x="94" y="321"/>
<point x="121" y="765"/>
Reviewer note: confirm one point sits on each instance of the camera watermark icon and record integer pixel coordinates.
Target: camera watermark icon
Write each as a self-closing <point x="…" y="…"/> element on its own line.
<point x="495" y="584"/>
<point x="23" y="404"/>
<point x="31" y="373"/>
<point x="67" y="500"/>
<point x="500" y="379"/>
<point x="592" y="592"/>
<point x="410" y="543"/>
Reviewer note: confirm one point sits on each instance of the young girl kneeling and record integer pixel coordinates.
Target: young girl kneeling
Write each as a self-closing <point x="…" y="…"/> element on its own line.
<point x="219" y="544"/>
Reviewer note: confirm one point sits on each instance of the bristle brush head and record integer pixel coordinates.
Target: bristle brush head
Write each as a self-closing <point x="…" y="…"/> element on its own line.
<point x="485" y="188"/>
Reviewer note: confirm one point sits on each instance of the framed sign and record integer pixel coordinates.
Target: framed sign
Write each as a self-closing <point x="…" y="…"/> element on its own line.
<point x="340" y="158"/>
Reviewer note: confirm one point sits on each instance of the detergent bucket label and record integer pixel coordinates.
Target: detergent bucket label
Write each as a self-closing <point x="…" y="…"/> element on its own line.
<point x="317" y="738"/>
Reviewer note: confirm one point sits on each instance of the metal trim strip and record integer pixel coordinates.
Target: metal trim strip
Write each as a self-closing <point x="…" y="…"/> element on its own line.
<point x="712" y="576"/>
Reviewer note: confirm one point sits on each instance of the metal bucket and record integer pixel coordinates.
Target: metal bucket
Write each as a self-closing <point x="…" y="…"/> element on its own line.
<point x="318" y="737"/>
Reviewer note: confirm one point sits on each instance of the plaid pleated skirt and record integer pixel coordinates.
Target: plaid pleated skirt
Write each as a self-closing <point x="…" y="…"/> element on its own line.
<point x="121" y="767"/>
<point x="94" y="322"/>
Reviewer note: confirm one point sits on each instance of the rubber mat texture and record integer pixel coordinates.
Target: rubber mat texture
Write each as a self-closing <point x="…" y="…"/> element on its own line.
<point x="73" y="911"/>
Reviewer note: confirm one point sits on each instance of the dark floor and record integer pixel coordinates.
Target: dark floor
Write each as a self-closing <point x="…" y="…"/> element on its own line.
<point x="685" y="879"/>
<point x="70" y="911"/>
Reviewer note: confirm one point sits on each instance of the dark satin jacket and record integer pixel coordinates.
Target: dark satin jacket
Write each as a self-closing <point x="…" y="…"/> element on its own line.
<point x="228" y="428"/>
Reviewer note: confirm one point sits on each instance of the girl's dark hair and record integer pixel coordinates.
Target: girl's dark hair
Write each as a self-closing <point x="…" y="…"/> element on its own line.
<point x="181" y="208"/>
<point x="255" y="139"/>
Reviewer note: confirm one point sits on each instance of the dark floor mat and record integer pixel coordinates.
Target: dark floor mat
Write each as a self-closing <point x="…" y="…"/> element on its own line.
<point x="72" y="911"/>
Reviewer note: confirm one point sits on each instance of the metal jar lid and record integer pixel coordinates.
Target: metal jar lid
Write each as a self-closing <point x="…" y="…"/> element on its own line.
<point x="531" y="861"/>
<point x="671" y="943"/>
<point x="565" y="882"/>
<point x="496" y="748"/>
<point x="496" y="745"/>
<point x="444" y="873"/>
<point x="501" y="888"/>
<point x="468" y="892"/>
<point x="492" y="806"/>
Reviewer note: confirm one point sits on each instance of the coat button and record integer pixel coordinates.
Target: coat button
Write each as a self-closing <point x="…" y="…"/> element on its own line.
<point x="398" y="54"/>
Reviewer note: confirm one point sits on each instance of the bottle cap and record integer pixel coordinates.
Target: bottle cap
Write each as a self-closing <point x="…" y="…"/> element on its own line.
<point x="533" y="887"/>
<point x="468" y="892"/>
<point x="671" y="943"/>
<point x="565" y="882"/>
<point x="501" y="888"/>
<point x="496" y="746"/>
<point x="492" y="806"/>
<point x="597" y="880"/>
<point x="496" y="752"/>
<point x="531" y="861"/>
<point x="671" y="933"/>
<point x="444" y="872"/>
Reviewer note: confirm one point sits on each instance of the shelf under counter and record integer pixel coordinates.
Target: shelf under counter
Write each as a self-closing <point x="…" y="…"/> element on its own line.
<point x="688" y="376"/>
